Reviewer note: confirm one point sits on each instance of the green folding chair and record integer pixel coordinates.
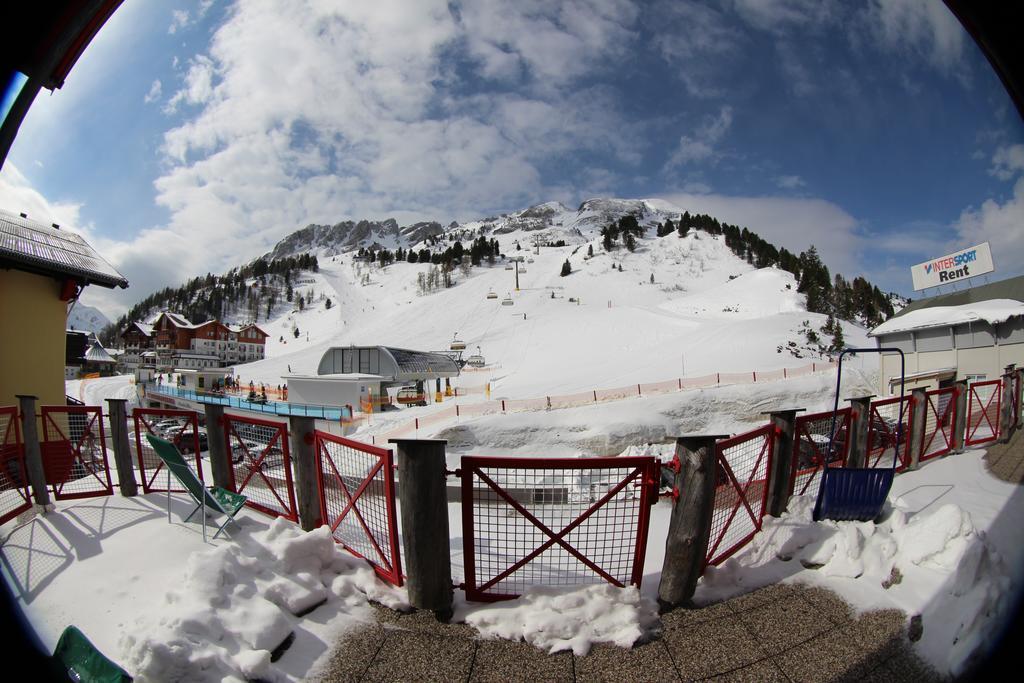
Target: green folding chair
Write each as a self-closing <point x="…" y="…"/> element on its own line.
<point x="213" y="497"/>
<point x="83" y="662"/>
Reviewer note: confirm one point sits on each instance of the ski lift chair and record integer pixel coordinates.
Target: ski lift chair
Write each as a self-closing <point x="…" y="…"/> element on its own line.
<point x="507" y="301"/>
<point x="857" y="493"/>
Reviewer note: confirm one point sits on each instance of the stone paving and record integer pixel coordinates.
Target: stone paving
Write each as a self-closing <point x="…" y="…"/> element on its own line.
<point x="779" y="633"/>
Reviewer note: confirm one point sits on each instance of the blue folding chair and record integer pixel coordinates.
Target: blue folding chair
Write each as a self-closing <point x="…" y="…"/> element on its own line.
<point x="214" y="497"/>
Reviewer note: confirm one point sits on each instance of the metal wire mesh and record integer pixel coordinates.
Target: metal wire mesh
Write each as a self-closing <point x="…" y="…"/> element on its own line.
<point x="889" y="423"/>
<point x="74" y="453"/>
<point x="357" y="489"/>
<point x="14" y="497"/>
<point x="938" y="423"/>
<point x="748" y="457"/>
<point x="983" y="411"/>
<point x="596" y="511"/>
<point x="181" y="428"/>
<point x="811" y="448"/>
<point x="261" y="465"/>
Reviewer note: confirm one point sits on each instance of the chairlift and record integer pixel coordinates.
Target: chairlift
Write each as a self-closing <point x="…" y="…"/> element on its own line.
<point x="857" y="493"/>
<point x="529" y="260"/>
<point x="522" y="269"/>
<point x="410" y="395"/>
<point x="476" y="360"/>
<point x="492" y="294"/>
<point x="457" y="344"/>
<point x="507" y="301"/>
<point x="509" y="267"/>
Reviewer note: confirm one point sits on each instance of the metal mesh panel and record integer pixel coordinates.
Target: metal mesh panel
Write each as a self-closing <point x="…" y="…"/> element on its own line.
<point x="14" y="495"/>
<point x="735" y="377"/>
<point x="697" y="382"/>
<point x="180" y="427"/>
<point x="740" y="491"/>
<point x="663" y="387"/>
<point x="939" y="414"/>
<point x="617" y="393"/>
<point x="553" y="522"/>
<point x="983" y="411"/>
<point x="889" y="423"/>
<point x="571" y="400"/>
<point x="74" y="452"/>
<point x="358" y="501"/>
<point x="811" y="448"/>
<point x="261" y="465"/>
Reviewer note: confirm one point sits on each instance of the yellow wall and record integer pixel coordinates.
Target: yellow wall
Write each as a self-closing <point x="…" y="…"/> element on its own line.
<point x="32" y="339"/>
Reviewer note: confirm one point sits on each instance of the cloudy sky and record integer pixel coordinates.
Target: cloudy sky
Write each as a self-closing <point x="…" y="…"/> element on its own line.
<point x="191" y="136"/>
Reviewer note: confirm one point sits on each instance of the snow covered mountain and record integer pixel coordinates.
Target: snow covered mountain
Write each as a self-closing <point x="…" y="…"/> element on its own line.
<point x="86" y="319"/>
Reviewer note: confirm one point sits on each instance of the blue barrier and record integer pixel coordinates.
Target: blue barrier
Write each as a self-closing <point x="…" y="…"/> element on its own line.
<point x="271" y="407"/>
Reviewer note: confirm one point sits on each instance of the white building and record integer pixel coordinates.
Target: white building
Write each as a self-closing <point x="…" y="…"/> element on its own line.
<point x="972" y="334"/>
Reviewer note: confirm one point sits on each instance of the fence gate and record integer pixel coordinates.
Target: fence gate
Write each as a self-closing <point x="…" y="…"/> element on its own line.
<point x="741" y="491"/>
<point x="552" y="521"/>
<point x="886" y="420"/>
<point x="983" y="403"/>
<point x="181" y="427"/>
<point x="261" y="467"/>
<point x="939" y="421"/>
<point x="74" y="452"/>
<point x="357" y="501"/>
<point x="810" y="448"/>
<point x="14" y="493"/>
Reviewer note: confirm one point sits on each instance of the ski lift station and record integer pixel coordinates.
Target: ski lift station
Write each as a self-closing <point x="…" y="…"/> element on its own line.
<point x="348" y="375"/>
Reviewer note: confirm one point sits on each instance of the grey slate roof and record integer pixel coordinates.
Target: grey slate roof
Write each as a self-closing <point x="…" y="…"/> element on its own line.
<point x="98" y="354"/>
<point x="26" y="244"/>
<point x="1010" y="288"/>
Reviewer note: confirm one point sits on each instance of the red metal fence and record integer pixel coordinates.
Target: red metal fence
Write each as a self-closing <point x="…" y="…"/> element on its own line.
<point x="181" y="427"/>
<point x="939" y="421"/>
<point x="889" y="421"/>
<point x="983" y="404"/>
<point x="357" y="501"/>
<point x="74" y="453"/>
<point x="261" y="467"/>
<point x="545" y="521"/>
<point x="14" y="494"/>
<point x="811" y="448"/>
<point x="741" y="491"/>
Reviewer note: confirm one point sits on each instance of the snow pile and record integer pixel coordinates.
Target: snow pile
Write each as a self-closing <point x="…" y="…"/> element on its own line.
<point x="935" y="563"/>
<point x="993" y="311"/>
<point x="240" y="601"/>
<point x="556" y="619"/>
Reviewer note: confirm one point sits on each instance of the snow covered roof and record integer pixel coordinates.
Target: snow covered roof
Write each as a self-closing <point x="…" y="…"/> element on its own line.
<point x="992" y="311"/>
<point x="29" y="245"/>
<point x="98" y="354"/>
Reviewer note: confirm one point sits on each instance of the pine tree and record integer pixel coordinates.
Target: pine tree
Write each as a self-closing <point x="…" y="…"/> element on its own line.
<point x="566" y="269"/>
<point x="296" y="332"/>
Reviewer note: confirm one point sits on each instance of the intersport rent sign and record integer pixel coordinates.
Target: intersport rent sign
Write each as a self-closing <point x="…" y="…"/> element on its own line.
<point x="960" y="265"/>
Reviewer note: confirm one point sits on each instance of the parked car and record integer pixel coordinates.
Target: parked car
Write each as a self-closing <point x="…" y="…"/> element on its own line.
<point x="186" y="442"/>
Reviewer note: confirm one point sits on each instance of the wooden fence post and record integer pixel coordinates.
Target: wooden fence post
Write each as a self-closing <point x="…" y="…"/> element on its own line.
<point x="781" y="474"/>
<point x="963" y="393"/>
<point x="117" y="411"/>
<point x="33" y="454"/>
<point x="1006" y="421"/>
<point x="307" y="483"/>
<point x="858" y="454"/>
<point x="220" y="458"/>
<point x="426" y="548"/>
<point x="689" y="526"/>
<point x="919" y="410"/>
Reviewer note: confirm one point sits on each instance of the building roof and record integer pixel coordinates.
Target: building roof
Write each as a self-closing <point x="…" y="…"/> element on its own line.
<point x="993" y="311"/>
<point x="394" y="364"/>
<point x="98" y="354"/>
<point x="28" y="245"/>
<point x="1010" y="288"/>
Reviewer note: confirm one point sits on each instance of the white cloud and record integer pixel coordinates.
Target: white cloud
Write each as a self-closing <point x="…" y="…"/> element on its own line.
<point x="179" y="20"/>
<point x="198" y="84"/>
<point x="999" y="223"/>
<point x="1008" y="161"/>
<point x="922" y="28"/>
<point x="787" y="222"/>
<point x="18" y="196"/>
<point x="155" y="91"/>
<point x="790" y="182"/>
<point x="701" y="146"/>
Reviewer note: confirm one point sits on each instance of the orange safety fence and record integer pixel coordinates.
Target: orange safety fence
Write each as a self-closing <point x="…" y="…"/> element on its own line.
<point x="666" y="387"/>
